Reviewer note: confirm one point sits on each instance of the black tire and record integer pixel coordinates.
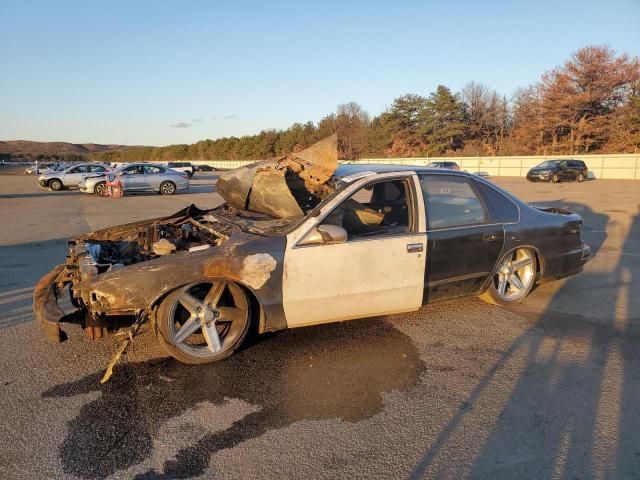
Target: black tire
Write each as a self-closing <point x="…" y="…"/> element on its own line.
<point x="492" y="294"/>
<point x="167" y="324"/>
<point x="555" y="178"/>
<point x="580" y="177"/>
<point x="167" y="188"/>
<point x="55" y="185"/>
<point x="100" y="189"/>
<point x="190" y="175"/>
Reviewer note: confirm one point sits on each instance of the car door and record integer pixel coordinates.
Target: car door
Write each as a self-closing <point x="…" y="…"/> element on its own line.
<point x="132" y="178"/>
<point x="378" y="270"/>
<point x="465" y="241"/>
<point x="565" y="171"/>
<point x="73" y="176"/>
<point x="153" y="176"/>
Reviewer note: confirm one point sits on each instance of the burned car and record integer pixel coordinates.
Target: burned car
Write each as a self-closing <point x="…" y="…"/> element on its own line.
<point x="302" y="241"/>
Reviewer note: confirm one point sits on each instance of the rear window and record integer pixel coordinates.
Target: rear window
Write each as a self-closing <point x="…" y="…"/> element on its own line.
<point x="505" y="208"/>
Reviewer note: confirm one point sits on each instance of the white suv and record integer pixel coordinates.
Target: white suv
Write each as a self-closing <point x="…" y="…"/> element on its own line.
<point x="182" y="167"/>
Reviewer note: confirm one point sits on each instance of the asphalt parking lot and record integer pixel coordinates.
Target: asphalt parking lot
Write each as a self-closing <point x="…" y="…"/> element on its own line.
<point x="548" y="389"/>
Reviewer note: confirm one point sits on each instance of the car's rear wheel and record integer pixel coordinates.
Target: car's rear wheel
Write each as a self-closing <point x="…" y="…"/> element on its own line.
<point x="55" y="185"/>
<point x="100" y="189"/>
<point x="203" y="322"/>
<point x="513" y="279"/>
<point x="580" y="177"/>
<point x="167" y="188"/>
<point x="555" y="178"/>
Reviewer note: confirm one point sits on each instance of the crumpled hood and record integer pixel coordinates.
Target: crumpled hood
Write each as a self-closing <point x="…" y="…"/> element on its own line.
<point x="285" y="187"/>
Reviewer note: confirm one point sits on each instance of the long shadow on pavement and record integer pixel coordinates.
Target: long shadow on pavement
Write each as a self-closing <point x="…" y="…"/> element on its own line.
<point x="332" y="371"/>
<point x="553" y="418"/>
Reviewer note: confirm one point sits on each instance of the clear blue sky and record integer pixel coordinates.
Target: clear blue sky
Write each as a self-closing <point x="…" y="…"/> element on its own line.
<point x="126" y="71"/>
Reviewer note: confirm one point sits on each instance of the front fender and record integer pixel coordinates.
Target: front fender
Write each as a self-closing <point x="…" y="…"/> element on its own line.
<point x="256" y="265"/>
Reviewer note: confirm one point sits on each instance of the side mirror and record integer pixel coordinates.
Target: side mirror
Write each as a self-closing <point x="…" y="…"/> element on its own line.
<point x="325" y="235"/>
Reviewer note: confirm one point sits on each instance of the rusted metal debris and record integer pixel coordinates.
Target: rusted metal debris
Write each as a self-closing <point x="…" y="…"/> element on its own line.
<point x="128" y="335"/>
<point x="284" y="187"/>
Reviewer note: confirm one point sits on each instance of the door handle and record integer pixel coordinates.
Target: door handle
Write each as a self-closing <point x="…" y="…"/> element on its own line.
<point x="489" y="236"/>
<point x="414" y="247"/>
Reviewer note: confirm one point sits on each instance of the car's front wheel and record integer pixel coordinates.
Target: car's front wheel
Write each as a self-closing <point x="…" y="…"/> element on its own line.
<point x="55" y="185"/>
<point x="100" y="189"/>
<point x="203" y="322"/>
<point x="513" y="279"/>
<point x="555" y="178"/>
<point x="580" y="177"/>
<point x="167" y="188"/>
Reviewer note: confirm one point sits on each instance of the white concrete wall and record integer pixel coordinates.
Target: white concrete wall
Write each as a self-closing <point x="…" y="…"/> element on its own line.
<point x="622" y="166"/>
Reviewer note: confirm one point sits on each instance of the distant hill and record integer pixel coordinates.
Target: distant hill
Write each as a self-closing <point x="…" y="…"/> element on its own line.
<point x="25" y="147"/>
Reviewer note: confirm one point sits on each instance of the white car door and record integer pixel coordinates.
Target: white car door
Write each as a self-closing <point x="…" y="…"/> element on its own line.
<point x="379" y="270"/>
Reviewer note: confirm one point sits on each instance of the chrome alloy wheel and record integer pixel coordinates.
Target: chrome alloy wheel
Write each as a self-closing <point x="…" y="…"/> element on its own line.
<point x="515" y="275"/>
<point x="206" y="319"/>
<point x="167" y="188"/>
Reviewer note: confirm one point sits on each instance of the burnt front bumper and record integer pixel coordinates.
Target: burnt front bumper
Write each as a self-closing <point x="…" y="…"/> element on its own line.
<point x="46" y="309"/>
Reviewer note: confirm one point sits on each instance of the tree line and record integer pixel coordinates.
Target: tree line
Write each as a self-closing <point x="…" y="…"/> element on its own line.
<point x="590" y="104"/>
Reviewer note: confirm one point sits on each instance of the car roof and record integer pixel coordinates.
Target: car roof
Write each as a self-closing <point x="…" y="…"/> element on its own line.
<point x="350" y="169"/>
<point x="141" y="164"/>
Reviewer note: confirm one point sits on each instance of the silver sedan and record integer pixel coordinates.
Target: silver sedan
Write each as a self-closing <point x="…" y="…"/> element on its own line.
<point x="139" y="177"/>
<point x="70" y="176"/>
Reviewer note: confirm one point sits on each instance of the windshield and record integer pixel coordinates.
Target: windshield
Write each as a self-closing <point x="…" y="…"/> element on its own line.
<point x="548" y="164"/>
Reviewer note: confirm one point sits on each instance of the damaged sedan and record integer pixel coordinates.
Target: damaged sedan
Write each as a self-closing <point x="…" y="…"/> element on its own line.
<point x="302" y="241"/>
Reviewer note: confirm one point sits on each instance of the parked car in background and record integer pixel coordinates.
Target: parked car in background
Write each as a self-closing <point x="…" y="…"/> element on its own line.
<point x="449" y="165"/>
<point x="558" y="170"/>
<point x="138" y="177"/>
<point x="40" y="168"/>
<point x="186" y="167"/>
<point x="70" y="176"/>
<point x="205" y="168"/>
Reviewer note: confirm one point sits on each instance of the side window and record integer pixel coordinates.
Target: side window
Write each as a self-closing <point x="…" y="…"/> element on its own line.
<point x="135" y="170"/>
<point x="80" y="169"/>
<point x="451" y="202"/>
<point x="97" y="168"/>
<point x="152" y="170"/>
<point x="380" y="208"/>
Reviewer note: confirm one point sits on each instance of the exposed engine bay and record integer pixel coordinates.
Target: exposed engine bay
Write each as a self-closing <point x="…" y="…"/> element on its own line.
<point x="263" y="198"/>
<point x="98" y="253"/>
